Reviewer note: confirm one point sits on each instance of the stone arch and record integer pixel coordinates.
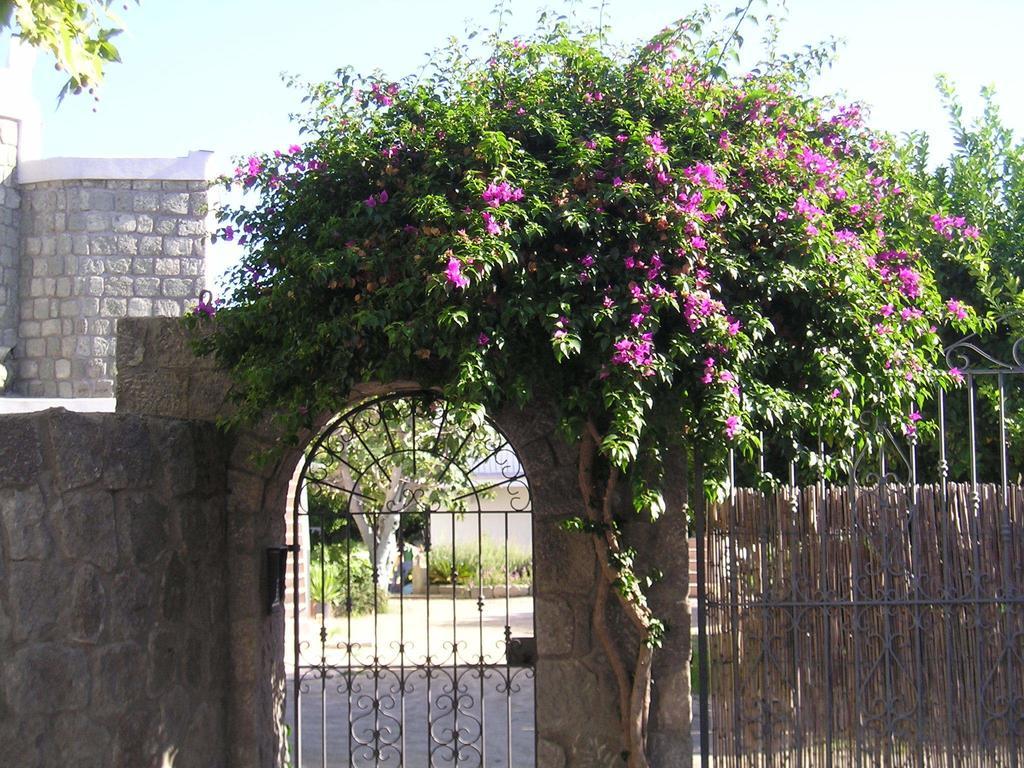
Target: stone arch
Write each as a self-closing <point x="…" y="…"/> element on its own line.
<point x="158" y="375"/>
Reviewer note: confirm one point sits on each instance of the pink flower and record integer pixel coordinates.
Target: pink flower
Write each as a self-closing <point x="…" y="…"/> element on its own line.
<point x="910" y="282"/>
<point x="656" y="143"/>
<point x="453" y="273"/>
<point x="496" y="194"/>
<point x="732" y="426"/>
<point x="490" y="225"/>
<point x="808" y="210"/>
<point x="635" y="354"/>
<point x="383" y="95"/>
<point x="849" y="238"/>
<point x="957" y="375"/>
<point x="834" y="393"/>
<point x="944" y="225"/>
<point x="378" y="199"/>
<point x="815" y="162"/>
<point x="702" y="173"/>
<point x="483" y="339"/>
<point x="561" y="326"/>
<point x="733" y="326"/>
<point x="956" y="309"/>
<point x="207" y="307"/>
<point x="617" y="181"/>
<point x="910" y="428"/>
<point x="698" y="243"/>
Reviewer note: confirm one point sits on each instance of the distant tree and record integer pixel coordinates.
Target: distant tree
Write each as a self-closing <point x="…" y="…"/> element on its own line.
<point x="78" y="34"/>
<point x="982" y="182"/>
<point x="375" y="471"/>
<point x="981" y="186"/>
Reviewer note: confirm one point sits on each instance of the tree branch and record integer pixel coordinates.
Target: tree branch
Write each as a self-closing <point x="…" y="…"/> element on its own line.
<point x="634" y="699"/>
<point x="588" y="450"/>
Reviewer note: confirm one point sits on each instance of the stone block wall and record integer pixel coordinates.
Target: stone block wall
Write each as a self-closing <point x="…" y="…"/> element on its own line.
<point x="157" y="374"/>
<point x="114" y="645"/>
<point x="133" y="622"/>
<point x="94" y="251"/>
<point x="10" y="203"/>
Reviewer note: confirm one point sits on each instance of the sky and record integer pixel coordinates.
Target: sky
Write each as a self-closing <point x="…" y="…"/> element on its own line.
<point x="206" y="74"/>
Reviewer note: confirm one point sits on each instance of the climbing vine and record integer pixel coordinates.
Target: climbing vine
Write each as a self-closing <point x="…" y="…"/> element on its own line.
<point x="671" y="255"/>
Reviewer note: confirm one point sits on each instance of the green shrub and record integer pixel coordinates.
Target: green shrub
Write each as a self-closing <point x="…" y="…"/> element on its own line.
<point x="324" y="584"/>
<point x="489" y="558"/>
<point x="346" y="572"/>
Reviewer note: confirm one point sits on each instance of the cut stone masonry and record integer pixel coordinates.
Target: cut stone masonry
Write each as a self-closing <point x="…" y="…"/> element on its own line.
<point x="84" y="242"/>
<point x="93" y="251"/>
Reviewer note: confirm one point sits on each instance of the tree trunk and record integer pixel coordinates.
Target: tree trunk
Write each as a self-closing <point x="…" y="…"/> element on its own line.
<point x="379" y="529"/>
<point x="663" y="546"/>
<point x="379" y="535"/>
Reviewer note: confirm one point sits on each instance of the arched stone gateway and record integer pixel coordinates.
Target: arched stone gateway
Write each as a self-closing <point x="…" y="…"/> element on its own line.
<point x="575" y="695"/>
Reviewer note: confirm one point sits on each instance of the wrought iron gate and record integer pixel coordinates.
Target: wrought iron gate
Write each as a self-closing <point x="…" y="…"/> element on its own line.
<point x="416" y="647"/>
<point x="877" y="617"/>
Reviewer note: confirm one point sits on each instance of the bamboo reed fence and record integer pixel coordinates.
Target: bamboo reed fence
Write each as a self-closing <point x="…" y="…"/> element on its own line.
<point x="852" y="626"/>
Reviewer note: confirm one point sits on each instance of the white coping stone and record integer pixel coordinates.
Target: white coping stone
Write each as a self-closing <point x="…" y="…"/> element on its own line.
<point x="35" y="404"/>
<point x="193" y="167"/>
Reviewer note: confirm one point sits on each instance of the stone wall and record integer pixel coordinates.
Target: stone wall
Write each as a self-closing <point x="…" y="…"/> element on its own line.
<point x="10" y="203"/>
<point x="94" y="251"/>
<point x="158" y="375"/>
<point x="113" y="594"/>
<point x="133" y="622"/>
<point x="576" y="712"/>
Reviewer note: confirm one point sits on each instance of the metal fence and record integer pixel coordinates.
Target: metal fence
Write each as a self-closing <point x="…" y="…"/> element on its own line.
<point x="875" y="618"/>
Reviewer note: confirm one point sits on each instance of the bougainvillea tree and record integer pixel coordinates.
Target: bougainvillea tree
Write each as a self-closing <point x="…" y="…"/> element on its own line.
<point x="673" y="257"/>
